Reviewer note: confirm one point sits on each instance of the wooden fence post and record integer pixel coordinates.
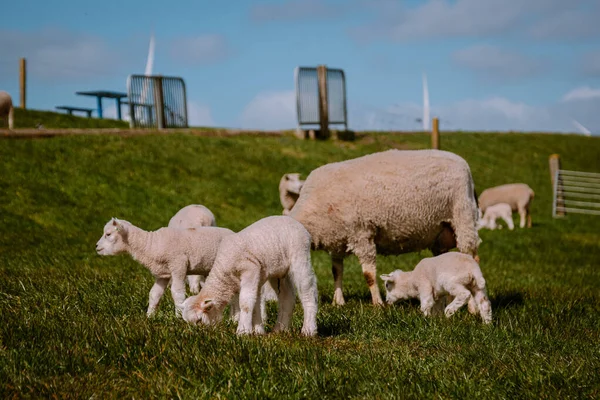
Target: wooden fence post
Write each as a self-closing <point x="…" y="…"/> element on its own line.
<point x="23" y="82"/>
<point x="159" y="104"/>
<point x="435" y="134"/>
<point x="554" y="162"/>
<point x="323" y="105"/>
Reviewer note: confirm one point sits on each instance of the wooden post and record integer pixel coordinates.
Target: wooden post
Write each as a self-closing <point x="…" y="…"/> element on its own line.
<point x="323" y="106"/>
<point x="435" y="134"/>
<point x="23" y="82"/>
<point x="159" y="104"/>
<point x="554" y="162"/>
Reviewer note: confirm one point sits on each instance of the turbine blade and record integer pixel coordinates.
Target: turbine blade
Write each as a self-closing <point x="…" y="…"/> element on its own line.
<point x="582" y="128"/>
<point x="425" y="104"/>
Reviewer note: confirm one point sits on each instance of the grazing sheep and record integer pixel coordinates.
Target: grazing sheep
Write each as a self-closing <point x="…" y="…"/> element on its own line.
<point x="289" y="190"/>
<point x="6" y="108"/>
<point x="492" y="213"/>
<point x="274" y="249"/>
<point x="517" y="195"/>
<point x="452" y="274"/>
<point x="193" y="216"/>
<point x="390" y="202"/>
<point x="168" y="253"/>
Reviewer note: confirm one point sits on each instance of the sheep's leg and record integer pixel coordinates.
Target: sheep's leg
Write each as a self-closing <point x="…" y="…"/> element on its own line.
<point x="257" y="320"/>
<point x="522" y="215"/>
<point x="509" y="221"/>
<point x="484" y="306"/>
<point x="366" y="252"/>
<point x="461" y="297"/>
<point x="194" y="282"/>
<point x="178" y="289"/>
<point x="464" y="225"/>
<point x="472" y="306"/>
<point x="286" y="300"/>
<point x="337" y="268"/>
<point x="427" y="301"/>
<point x="303" y="277"/>
<point x="156" y="294"/>
<point x="250" y="286"/>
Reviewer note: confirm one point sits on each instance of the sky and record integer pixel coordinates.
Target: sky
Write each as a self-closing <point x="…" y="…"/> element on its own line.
<point x="491" y="65"/>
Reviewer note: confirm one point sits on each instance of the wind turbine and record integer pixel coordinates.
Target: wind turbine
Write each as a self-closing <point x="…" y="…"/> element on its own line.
<point x="147" y="72"/>
<point x="582" y="128"/>
<point x="425" y="104"/>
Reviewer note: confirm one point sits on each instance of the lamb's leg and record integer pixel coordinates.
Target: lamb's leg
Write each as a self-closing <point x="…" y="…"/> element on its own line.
<point x="257" y="321"/>
<point x="484" y="305"/>
<point x="250" y="286"/>
<point x="234" y="308"/>
<point x="178" y="289"/>
<point x="366" y="252"/>
<point x="427" y="301"/>
<point x="286" y="301"/>
<point x="194" y="283"/>
<point x="337" y="268"/>
<point x="509" y="221"/>
<point x="303" y="277"/>
<point x="461" y="297"/>
<point x="156" y="293"/>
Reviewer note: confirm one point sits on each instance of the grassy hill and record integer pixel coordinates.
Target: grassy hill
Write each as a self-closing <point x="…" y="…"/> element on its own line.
<point x="53" y="120"/>
<point x="73" y="324"/>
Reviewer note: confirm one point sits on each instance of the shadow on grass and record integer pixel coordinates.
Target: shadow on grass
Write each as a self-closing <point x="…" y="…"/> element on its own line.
<point x="507" y="300"/>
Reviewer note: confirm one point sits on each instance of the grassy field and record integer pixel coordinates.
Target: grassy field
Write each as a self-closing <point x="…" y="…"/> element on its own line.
<point x="73" y="324"/>
<point x="53" y="120"/>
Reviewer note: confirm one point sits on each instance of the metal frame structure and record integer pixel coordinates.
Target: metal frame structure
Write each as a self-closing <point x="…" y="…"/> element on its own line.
<point x="157" y="101"/>
<point x="307" y="96"/>
<point x="575" y="192"/>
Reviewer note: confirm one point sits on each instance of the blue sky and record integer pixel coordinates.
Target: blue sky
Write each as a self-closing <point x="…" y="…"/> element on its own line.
<point x="491" y="64"/>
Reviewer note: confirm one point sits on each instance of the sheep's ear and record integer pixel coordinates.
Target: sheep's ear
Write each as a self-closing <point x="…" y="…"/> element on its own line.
<point x="206" y="305"/>
<point x="386" y="277"/>
<point x="118" y="225"/>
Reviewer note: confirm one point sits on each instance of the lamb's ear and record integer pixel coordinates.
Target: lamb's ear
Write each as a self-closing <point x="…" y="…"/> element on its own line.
<point x="118" y="225"/>
<point x="386" y="277"/>
<point x="206" y="305"/>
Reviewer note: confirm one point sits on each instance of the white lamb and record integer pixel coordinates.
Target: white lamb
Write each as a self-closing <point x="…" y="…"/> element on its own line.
<point x="492" y="213"/>
<point x="274" y="249"/>
<point x="193" y="216"/>
<point x="391" y="202"/>
<point x="517" y="195"/>
<point x="6" y="108"/>
<point x="168" y="253"/>
<point x="451" y="274"/>
<point x="289" y="190"/>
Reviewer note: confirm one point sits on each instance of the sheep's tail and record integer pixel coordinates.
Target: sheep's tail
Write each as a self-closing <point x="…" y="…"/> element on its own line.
<point x="11" y="117"/>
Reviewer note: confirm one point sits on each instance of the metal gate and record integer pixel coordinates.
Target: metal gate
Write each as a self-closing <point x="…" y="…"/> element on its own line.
<point x="307" y="96"/>
<point x="576" y="192"/>
<point x="157" y="102"/>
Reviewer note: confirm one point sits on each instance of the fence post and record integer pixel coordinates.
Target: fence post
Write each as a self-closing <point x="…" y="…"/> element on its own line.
<point x="159" y="104"/>
<point x="23" y="82"/>
<point x="554" y="162"/>
<point x="323" y="106"/>
<point x="435" y="134"/>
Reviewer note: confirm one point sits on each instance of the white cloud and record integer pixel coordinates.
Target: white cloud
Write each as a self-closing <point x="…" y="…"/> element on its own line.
<point x="201" y="50"/>
<point x="492" y="61"/>
<point x="582" y="93"/>
<point x="270" y="111"/>
<point x="294" y="10"/>
<point x="199" y="115"/>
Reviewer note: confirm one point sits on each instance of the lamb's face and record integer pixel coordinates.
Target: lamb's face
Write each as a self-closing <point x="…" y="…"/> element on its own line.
<point x="201" y="309"/>
<point x="112" y="240"/>
<point x="396" y="286"/>
<point x="292" y="183"/>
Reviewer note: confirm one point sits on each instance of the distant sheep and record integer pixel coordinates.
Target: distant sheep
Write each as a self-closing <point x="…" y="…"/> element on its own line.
<point x="492" y="213"/>
<point x="517" y="195"/>
<point x="452" y="274"/>
<point x="391" y="202"/>
<point x="6" y="109"/>
<point x="168" y="253"/>
<point x="193" y="216"/>
<point x="289" y="190"/>
<point x="274" y="249"/>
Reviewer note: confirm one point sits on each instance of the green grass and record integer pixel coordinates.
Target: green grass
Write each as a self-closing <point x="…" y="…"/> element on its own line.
<point x="73" y="324"/>
<point x="54" y="120"/>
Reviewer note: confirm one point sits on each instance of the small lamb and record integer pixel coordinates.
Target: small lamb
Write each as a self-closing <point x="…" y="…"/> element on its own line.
<point x="6" y="108"/>
<point x="492" y="213"/>
<point x="274" y="249"/>
<point x="168" y="253"/>
<point x="453" y="274"/>
<point x="193" y="216"/>
<point x="289" y="190"/>
<point x="518" y="195"/>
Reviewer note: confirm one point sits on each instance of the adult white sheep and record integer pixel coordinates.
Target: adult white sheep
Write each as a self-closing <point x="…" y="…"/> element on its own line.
<point x="390" y="202"/>
<point x="289" y="190"/>
<point x="274" y="249"/>
<point x="492" y="213"/>
<point x="6" y="109"/>
<point x="193" y="216"/>
<point x="517" y="195"/>
<point x="452" y="274"/>
<point x="168" y="253"/>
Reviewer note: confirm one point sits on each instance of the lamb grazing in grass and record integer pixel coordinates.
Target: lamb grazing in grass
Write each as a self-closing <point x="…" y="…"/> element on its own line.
<point x="6" y="108"/>
<point x="193" y="216"/>
<point x="274" y="249"/>
<point x="517" y="195"/>
<point x="451" y="274"/>
<point x="492" y="213"/>
<point x="289" y="190"/>
<point x="168" y="253"/>
<point x="390" y="202"/>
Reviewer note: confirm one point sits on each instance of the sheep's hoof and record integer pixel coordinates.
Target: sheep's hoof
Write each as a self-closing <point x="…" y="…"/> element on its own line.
<point x="338" y="299"/>
<point x="309" y="332"/>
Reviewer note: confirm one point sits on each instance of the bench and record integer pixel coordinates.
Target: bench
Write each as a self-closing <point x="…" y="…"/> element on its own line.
<point x="70" y="110"/>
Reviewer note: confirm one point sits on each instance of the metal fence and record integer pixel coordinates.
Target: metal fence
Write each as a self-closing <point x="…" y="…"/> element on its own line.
<point x="157" y="102"/>
<point x="576" y="192"/>
<point x="307" y="96"/>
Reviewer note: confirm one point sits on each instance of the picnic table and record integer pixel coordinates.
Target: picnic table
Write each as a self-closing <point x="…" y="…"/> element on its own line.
<point x="100" y="94"/>
<point x="70" y="110"/>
